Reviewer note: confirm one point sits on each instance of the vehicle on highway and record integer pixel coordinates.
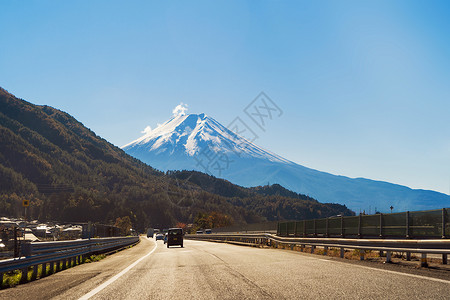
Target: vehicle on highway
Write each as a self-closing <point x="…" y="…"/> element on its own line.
<point x="175" y="237"/>
<point x="199" y="232"/>
<point x="150" y="233"/>
<point x="160" y="236"/>
<point x="208" y="231"/>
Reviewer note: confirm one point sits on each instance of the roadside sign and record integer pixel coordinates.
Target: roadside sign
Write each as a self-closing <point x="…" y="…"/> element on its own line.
<point x="26" y="203"/>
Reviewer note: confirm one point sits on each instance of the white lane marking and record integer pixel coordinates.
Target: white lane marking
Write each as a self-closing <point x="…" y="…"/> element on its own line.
<point x="112" y="279"/>
<point x="387" y="271"/>
<point x="407" y="274"/>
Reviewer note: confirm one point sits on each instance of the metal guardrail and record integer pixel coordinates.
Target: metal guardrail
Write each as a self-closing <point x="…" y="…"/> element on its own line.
<point x="60" y="254"/>
<point x="414" y="224"/>
<point x="263" y="227"/>
<point x="422" y="246"/>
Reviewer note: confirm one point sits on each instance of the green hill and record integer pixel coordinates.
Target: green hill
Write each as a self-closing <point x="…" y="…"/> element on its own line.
<point x="70" y="174"/>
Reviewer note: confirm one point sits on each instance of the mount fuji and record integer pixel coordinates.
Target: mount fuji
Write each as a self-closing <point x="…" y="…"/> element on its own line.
<point x="198" y="142"/>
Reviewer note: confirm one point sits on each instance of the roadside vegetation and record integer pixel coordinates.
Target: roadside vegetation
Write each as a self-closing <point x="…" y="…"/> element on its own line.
<point x="13" y="278"/>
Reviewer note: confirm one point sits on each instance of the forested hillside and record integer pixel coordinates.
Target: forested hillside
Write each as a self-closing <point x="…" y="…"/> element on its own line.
<point x="71" y="174"/>
<point x="271" y="201"/>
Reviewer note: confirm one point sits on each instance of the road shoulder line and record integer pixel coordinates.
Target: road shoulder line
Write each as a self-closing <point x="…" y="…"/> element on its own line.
<point x="117" y="276"/>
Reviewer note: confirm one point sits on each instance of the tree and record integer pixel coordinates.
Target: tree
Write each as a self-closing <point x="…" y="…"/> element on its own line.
<point x="181" y="225"/>
<point x="124" y="224"/>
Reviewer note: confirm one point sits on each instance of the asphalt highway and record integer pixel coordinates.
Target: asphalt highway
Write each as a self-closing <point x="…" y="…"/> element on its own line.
<point x="205" y="270"/>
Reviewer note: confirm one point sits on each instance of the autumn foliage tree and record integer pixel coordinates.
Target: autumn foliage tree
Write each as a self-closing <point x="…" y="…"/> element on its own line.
<point x="212" y="220"/>
<point x="124" y="224"/>
<point x="181" y="225"/>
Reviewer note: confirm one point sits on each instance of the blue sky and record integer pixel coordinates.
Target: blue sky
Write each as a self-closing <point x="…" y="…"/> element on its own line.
<point x="364" y="85"/>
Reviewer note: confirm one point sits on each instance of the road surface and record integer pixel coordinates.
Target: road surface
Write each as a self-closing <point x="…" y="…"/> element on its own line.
<point x="205" y="270"/>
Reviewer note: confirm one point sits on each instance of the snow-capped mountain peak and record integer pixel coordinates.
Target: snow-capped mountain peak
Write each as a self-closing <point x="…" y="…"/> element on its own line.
<point x="193" y="134"/>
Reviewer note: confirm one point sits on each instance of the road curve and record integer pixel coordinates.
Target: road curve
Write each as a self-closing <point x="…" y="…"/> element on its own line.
<point x="203" y="270"/>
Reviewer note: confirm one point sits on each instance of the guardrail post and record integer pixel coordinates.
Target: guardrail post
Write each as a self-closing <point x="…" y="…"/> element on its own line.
<point x="44" y="270"/>
<point x="313" y="248"/>
<point x="342" y="226"/>
<point x="58" y="266"/>
<point x="24" y="276"/>
<point x="35" y="271"/>
<point x="381" y="225"/>
<point x="1" y="280"/>
<point x="388" y="256"/>
<point x="407" y="224"/>
<point x="443" y="223"/>
<point x="408" y="256"/>
<point x="423" y="260"/>
<point x="342" y="252"/>
<point x="361" y="254"/>
<point x="444" y="259"/>
<point x="52" y="268"/>
<point x="325" y="250"/>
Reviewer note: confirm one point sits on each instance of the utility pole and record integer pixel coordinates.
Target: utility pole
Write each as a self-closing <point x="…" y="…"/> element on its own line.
<point x="25" y="204"/>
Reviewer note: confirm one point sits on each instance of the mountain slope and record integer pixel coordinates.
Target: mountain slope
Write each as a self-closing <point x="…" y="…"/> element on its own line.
<point x="198" y="142"/>
<point x="282" y="202"/>
<point x="72" y="175"/>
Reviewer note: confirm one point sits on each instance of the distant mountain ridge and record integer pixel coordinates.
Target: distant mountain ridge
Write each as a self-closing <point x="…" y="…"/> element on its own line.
<point x="70" y="174"/>
<point x="198" y="142"/>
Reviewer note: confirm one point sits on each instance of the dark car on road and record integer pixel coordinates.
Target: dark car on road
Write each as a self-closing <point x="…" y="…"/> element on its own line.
<point x="175" y="237"/>
<point x="160" y="236"/>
